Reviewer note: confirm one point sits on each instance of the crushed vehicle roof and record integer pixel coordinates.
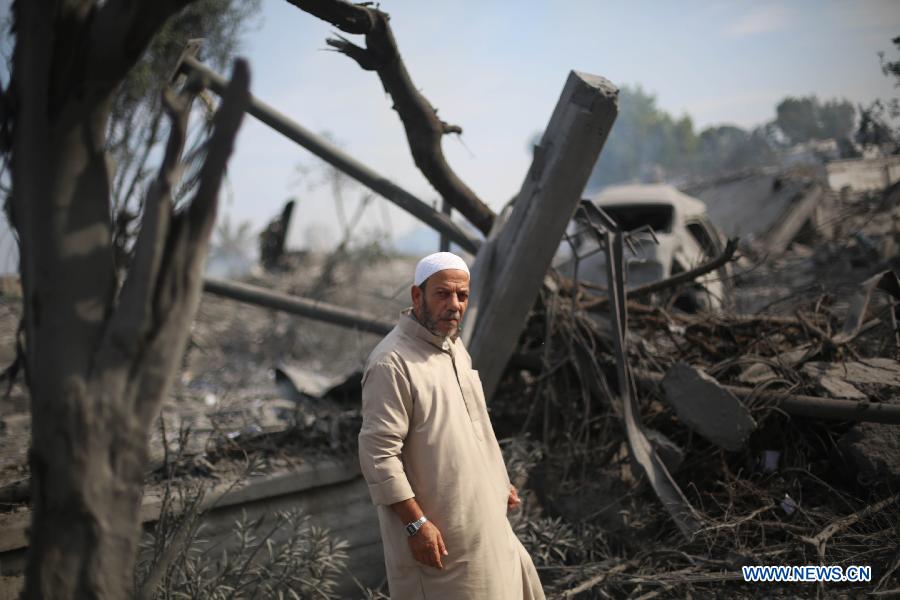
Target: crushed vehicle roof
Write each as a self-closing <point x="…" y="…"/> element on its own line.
<point x="649" y="194"/>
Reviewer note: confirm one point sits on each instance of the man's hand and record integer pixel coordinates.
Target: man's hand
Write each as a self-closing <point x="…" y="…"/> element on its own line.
<point x="513" y="501"/>
<point x="427" y="545"/>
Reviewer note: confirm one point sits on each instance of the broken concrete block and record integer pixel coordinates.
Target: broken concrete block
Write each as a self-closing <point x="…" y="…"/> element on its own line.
<point x="875" y="371"/>
<point x="872" y="451"/>
<point x="840" y="380"/>
<point x="792" y="357"/>
<point x="833" y="386"/>
<point x="298" y="384"/>
<point x="707" y="408"/>
<point x="756" y="373"/>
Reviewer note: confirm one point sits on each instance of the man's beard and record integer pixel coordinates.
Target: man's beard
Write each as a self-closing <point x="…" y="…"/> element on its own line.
<point x="430" y="322"/>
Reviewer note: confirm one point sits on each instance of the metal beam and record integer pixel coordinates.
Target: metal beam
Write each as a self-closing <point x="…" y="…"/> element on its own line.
<point x="445" y="241"/>
<point x="340" y="160"/>
<point x="313" y="309"/>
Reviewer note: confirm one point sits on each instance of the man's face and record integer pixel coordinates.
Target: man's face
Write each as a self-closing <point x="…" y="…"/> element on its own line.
<point x="442" y="305"/>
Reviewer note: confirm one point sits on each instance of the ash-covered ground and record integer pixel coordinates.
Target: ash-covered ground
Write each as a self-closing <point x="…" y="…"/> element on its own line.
<point x="589" y="515"/>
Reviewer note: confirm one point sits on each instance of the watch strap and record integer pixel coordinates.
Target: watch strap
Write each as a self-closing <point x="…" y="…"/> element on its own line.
<point x="415" y="526"/>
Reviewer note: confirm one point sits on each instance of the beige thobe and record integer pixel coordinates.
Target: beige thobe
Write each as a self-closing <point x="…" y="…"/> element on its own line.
<point x="426" y="433"/>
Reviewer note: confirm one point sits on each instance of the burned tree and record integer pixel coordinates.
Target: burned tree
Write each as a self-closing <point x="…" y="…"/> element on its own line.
<point x="424" y="130"/>
<point x="137" y="124"/>
<point x="99" y="357"/>
<point x="274" y="236"/>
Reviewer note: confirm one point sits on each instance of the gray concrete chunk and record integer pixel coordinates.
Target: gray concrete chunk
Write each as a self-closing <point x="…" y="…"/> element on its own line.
<point x="872" y="451"/>
<point x="704" y="406"/>
<point x="880" y="372"/>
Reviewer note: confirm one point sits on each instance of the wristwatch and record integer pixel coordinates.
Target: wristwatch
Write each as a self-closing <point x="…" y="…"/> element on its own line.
<point x="415" y="526"/>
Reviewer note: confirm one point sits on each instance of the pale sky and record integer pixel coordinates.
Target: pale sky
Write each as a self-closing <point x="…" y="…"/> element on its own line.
<point x="497" y="68"/>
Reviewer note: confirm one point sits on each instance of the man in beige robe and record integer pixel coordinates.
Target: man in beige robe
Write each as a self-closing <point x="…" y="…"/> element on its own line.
<point x="427" y="449"/>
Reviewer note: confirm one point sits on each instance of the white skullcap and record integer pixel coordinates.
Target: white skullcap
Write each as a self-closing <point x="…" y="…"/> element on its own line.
<point x="438" y="261"/>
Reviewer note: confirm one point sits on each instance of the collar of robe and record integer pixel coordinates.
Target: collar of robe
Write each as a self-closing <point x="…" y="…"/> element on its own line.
<point x="409" y="325"/>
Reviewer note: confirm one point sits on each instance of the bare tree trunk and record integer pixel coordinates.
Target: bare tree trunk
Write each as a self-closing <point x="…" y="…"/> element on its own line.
<point x="99" y="360"/>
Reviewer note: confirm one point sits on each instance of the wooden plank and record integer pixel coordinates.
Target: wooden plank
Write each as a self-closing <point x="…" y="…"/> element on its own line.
<point x="524" y="248"/>
<point x="297" y="305"/>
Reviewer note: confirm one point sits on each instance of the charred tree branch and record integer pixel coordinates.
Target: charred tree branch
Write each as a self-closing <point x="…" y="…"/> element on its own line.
<point x="91" y="401"/>
<point x="424" y="129"/>
<point x="5" y="122"/>
<point x="348" y="17"/>
<point x="357" y="53"/>
<point x="178" y="289"/>
<point x="120" y="32"/>
<point x="133" y="318"/>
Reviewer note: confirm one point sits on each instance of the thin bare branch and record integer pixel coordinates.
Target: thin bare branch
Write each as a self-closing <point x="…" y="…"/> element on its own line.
<point x="362" y="57"/>
<point x="821" y="539"/>
<point x="424" y="129"/>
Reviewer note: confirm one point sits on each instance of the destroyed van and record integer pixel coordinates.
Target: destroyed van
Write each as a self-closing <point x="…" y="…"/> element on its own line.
<point x="685" y="238"/>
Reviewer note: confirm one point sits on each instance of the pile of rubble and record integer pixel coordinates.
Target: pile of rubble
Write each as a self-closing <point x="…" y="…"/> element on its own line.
<point x="653" y="462"/>
<point x="774" y="435"/>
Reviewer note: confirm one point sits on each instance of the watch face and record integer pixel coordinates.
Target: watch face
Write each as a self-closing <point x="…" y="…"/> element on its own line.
<point x="411" y="529"/>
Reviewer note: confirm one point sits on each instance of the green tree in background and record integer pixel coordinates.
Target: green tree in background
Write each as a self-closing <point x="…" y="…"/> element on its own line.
<point x="891" y="67"/>
<point x="878" y="122"/>
<point x="718" y="142"/>
<point x="646" y="143"/>
<point x="728" y="148"/>
<point x="804" y="119"/>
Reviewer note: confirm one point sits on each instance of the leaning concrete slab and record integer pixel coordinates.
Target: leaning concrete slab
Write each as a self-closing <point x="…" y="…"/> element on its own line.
<point x="524" y="248"/>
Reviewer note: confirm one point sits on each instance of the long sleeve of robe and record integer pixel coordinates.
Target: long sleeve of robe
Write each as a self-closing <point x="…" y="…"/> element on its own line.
<point x="426" y="434"/>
